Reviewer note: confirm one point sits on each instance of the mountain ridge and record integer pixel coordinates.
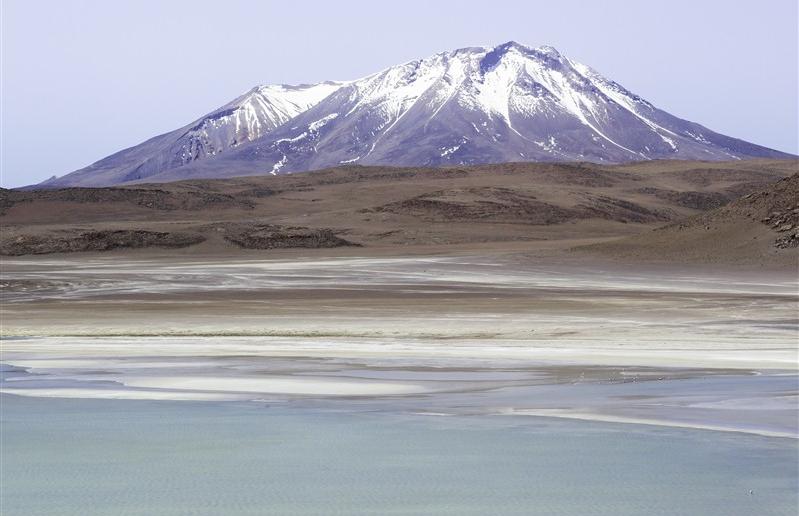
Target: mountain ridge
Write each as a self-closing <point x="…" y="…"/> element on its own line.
<point x="468" y="106"/>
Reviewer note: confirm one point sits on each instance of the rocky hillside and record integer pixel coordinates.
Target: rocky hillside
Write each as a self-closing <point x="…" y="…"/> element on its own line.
<point x="760" y="227"/>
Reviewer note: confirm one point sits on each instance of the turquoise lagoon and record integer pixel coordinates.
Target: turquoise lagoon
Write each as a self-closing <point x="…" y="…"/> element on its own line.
<point x="113" y="457"/>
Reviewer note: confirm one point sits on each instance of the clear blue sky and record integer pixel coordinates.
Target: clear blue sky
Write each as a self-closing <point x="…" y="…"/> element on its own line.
<point x="82" y="79"/>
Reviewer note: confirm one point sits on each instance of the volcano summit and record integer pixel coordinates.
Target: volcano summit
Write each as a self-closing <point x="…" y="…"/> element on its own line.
<point x="468" y="106"/>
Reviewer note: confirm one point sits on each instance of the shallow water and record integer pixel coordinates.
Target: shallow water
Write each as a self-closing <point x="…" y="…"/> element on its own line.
<point x="395" y="386"/>
<point x="103" y="457"/>
<point x="412" y="378"/>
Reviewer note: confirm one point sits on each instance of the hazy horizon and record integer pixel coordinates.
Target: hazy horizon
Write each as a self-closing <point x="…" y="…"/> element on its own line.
<point x="67" y="101"/>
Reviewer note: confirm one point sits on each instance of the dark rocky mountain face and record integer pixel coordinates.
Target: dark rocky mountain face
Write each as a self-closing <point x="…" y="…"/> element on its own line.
<point x="470" y="106"/>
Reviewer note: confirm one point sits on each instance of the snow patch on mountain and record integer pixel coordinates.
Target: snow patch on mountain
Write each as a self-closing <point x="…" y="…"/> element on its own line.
<point x="251" y="116"/>
<point x="318" y="124"/>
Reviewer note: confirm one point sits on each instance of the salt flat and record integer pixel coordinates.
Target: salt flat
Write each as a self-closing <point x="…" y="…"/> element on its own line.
<point x="488" y="334"/>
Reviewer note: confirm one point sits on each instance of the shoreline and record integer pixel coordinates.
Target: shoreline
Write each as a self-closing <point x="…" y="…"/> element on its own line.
<point x="475" y="333"/>
<point x="515" y="413"/>
<point x="602" y="418"/>
<point x="658" y="351"/>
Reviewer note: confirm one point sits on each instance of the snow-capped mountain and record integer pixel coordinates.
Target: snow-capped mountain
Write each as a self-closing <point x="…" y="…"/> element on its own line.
<point x="248" y="117"/>
<point x="468" y="106"/>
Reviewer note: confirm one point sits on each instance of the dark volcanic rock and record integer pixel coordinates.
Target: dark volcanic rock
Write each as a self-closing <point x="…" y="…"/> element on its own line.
<point x="777" y="206"/>
<point x="480" y="204"/>
<point x="95" y="241"/>
<point x="152" y="198"/>
<point x="785" y="220"/>
<point x="695" y="200"/>
<point x="620" y="210"/>
<point x="492" y="204"/>
<point x="268" y="236"/>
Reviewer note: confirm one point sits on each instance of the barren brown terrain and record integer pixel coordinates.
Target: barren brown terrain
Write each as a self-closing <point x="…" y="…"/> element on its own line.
<point x="760" y="228"/>
<point x="398" y="210"/>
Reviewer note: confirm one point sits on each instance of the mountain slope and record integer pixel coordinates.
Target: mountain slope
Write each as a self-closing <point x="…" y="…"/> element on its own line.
<point x="469" y="106"/>
<point x="248" y="117"/>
